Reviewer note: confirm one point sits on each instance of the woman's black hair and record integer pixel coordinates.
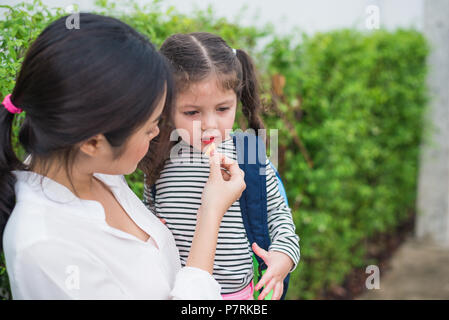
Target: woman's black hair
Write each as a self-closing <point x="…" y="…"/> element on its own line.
<point x="104" y="77"/>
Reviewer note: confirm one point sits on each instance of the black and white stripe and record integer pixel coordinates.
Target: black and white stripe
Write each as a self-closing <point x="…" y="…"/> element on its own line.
<point x="178" y="197"/>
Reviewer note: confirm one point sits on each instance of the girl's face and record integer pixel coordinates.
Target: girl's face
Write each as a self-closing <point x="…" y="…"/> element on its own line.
<point x="205" y="113"/>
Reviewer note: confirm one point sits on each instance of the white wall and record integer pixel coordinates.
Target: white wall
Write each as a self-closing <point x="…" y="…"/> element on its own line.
<point x="318" y="15"/>
<point x="433" y="188"/>
<point x="309" y="15"/>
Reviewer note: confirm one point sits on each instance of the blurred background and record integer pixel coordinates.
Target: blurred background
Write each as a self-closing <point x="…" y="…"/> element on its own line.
<point x="285" y="15"/>
<point x="359" y="93"/>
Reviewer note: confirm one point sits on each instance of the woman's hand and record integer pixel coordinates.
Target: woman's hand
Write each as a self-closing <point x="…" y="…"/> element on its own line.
<point x="224" y="186"/>
<point x="220" y="192"/>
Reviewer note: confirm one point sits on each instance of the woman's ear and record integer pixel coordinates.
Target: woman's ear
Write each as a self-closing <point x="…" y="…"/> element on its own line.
<point x="94" y="145"/>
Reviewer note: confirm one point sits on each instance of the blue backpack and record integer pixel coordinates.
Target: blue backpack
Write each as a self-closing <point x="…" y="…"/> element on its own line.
<point x="252" y="157"/>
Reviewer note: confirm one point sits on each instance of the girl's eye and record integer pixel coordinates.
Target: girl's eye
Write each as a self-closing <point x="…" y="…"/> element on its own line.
<point x="222" y="109"/>
<point x="190" y="113"/>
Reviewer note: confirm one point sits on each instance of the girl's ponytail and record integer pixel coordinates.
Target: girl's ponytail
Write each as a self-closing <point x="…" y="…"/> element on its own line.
<point x="249" y="95"/>
<point x="8" y="163"/>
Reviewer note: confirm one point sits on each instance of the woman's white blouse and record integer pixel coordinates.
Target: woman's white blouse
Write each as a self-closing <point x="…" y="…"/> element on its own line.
<point x="58" y="246"/>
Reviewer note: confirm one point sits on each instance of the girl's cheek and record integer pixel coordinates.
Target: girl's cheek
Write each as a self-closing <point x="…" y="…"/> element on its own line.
<point x="185" y="127"/>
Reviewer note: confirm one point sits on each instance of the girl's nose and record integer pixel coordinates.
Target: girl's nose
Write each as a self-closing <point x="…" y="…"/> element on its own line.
<point x="209" y="122"/>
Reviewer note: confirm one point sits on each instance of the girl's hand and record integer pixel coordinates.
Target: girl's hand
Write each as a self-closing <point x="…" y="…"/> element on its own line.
<point x="279" y="265"/>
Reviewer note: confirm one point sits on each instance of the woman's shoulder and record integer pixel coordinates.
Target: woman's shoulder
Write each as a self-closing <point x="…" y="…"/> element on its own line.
<point x="36" y="226"/>
<point x="46" y="210"/>
<point x="25" y="228"/>
<point x="27" y="220"/>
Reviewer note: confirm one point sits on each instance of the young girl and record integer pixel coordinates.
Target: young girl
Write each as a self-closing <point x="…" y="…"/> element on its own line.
<point x="211" y="79"/>
<point x="93" y="98"/>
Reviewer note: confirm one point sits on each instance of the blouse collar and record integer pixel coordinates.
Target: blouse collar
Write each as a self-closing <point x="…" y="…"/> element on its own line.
<point x="56" y="193"/>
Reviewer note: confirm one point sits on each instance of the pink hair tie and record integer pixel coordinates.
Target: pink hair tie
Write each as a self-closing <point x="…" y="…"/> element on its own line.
<point x="10" y="106"/>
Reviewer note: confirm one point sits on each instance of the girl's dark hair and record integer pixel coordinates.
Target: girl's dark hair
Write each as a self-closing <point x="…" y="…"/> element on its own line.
<point x="75" y="83"/>
<point x="193" y="58"/>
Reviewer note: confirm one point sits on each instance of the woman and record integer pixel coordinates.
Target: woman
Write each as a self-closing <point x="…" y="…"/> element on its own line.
<point x="93" y="98"/>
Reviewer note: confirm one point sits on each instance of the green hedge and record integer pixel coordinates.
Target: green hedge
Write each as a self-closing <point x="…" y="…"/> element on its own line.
<point x="350" y="120"/>
<point x="356" y="101"/>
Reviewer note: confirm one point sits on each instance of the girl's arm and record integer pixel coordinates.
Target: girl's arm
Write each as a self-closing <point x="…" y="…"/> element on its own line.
<point x="280" y="222"/>
<point x="283" y="254"/>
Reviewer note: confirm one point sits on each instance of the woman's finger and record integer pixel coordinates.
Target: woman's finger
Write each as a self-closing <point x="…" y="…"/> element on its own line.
<point x="231" y="166"/>
<point x="226" y="162"/>
<point x="225" y="174"/>
<point x="237" y="175"/>
<point x="214" y="163"/>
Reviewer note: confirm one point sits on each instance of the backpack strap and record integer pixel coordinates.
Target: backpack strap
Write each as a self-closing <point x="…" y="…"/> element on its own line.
<point x="251" y="157"/>
<point x="253" y="202"/>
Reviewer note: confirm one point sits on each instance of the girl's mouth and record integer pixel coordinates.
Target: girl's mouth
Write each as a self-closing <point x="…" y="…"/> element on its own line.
<point x="208" y="140"/>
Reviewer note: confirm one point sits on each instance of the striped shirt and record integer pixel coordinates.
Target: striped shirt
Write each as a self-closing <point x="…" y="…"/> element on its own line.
<point x="178" y="198"/>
